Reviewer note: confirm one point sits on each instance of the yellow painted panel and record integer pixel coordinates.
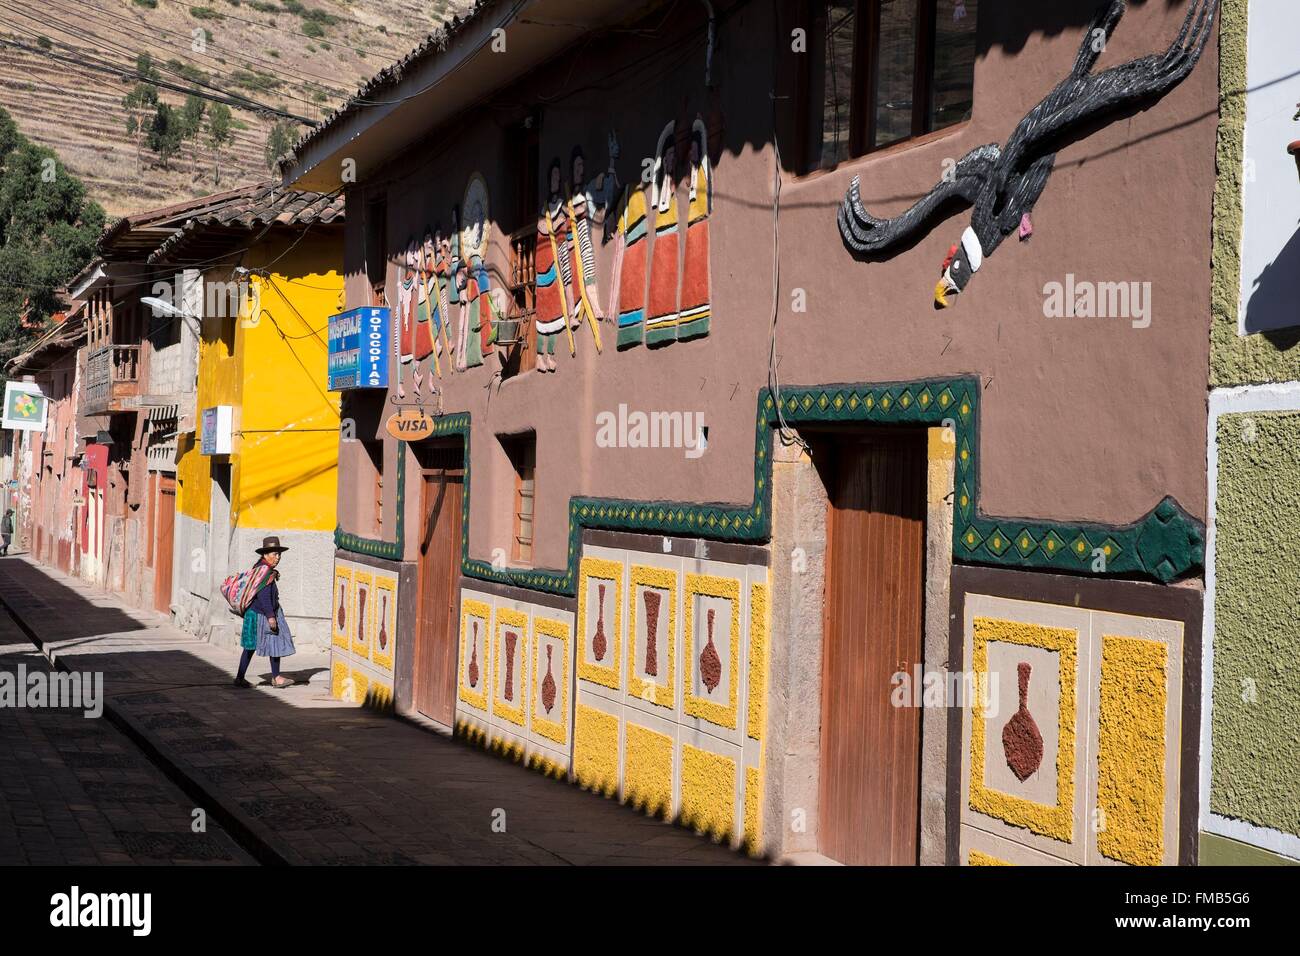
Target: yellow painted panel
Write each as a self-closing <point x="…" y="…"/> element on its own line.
<point x="708" y="792"/>
<point x="1131" y="750"/>
<point x="648" y="770"/>
<point x="976" y="858"/>
<point x="753" y="811"/>
<point x="595" y="749"/>
<point x="1051" y="821"/>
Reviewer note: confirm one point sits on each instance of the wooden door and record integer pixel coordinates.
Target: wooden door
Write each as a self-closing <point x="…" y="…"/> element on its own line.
<point x="164" y="527"/>
<point x="870" y="750"/>
<point x="436" y="631"/>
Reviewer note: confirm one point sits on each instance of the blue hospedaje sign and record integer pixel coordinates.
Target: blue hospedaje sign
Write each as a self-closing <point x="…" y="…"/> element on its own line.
<point x="359" y="344"/>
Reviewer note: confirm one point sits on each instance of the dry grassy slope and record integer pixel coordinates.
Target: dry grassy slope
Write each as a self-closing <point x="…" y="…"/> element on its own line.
<point x="79" y="112"/>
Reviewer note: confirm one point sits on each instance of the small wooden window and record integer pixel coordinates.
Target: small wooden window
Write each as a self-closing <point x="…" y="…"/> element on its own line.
<point x="522" y="451"/>
<point x="878" y="72"/>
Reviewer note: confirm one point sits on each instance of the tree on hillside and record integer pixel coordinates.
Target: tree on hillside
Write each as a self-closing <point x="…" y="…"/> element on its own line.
<point x="279" y="141"/>
<point x="219" y="136"/>
<point x="48" y="229"/>
<point x="165" y="132"/>
<point x="191" y="120"/>
<point x="141" y="101"/>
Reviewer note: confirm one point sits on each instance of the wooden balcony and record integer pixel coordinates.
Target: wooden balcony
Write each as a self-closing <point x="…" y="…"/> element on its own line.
<point x="112" y="380"/>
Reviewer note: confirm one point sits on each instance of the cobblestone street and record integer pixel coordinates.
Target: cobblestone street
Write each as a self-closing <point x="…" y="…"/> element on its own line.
<point x="302" y="778"/>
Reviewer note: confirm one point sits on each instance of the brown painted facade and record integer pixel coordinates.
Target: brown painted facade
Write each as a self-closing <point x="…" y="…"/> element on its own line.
<point x="1081" y="422"/>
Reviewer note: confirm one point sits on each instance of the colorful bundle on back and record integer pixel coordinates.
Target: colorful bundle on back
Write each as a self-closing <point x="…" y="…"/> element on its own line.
<point x="240" y="589"/>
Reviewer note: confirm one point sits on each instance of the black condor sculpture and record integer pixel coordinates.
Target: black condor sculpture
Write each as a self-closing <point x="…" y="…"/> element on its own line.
<point x="1004" y="183"/>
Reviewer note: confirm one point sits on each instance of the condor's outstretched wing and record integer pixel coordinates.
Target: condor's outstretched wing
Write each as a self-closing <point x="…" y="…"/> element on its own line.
<point x="863" y="232"/>
<point x="1082" y="96"/>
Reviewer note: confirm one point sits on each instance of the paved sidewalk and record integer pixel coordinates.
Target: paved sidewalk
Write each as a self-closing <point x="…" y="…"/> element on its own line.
<point x="75" y="791"/>
<point x="312" y="780"/>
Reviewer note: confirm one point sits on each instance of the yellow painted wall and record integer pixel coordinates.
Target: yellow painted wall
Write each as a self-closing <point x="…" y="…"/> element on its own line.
<point x="284" y="465"/>
<point x="285" y="475"/>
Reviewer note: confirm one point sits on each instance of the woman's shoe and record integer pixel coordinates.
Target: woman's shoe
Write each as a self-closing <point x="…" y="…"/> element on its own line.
<point x="240" y="682"/>
<point x="282" y="681"/>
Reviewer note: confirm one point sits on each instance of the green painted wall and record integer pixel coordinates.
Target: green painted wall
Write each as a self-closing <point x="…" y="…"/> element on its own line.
<point x="1220" y="851"/>
<point x="1256" y="724"/>
<point x="1264" y="357"/>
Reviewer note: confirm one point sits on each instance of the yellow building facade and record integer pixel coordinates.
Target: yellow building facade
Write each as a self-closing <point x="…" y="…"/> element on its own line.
<point x="263" y="457"/>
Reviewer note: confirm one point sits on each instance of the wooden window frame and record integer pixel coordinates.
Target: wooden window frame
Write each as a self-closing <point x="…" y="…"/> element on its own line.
<point x="864" y="86"/>
<point x="522" y="452"/>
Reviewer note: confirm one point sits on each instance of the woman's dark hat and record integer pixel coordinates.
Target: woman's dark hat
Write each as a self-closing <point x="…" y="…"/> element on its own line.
<point x="271" y="544"/>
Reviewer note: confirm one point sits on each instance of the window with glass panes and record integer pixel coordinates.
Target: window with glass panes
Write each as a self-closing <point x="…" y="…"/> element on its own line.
<point x="877" y="72"/>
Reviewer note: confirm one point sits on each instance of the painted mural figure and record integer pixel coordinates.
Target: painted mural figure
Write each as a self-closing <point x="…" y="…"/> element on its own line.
<point x="590" y="203"/>
<point x="628" y="281"/>
<point x="661" y="309"/>
<point x="428" y="318"/>
<point x="476" y="288"/>
<point x="696" y="310"/>
<point x="552" y="311"/>
<point x="455" y="283"/>
<point x="407" y="280"/>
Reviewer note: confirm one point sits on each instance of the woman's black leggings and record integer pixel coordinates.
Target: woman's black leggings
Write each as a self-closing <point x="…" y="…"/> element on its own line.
<point x="246" y="657"/>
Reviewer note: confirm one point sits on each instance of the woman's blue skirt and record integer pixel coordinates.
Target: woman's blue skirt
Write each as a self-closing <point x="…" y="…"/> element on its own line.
<point x="258" y="635"/>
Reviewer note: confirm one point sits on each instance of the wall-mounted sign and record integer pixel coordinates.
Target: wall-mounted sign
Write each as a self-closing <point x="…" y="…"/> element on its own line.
<point x="78" y="499"/>
<point x="410" y="424"/>
<point x="359" y="343"/>
<point x="215" y="430"/>
<point x="24" y="407"/>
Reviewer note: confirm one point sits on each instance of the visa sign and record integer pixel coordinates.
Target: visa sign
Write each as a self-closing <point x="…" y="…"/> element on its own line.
<point x="360" y="341"/>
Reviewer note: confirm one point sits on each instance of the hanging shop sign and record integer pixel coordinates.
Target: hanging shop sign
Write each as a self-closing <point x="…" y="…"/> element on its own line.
<point x="215" y="435"/>
<point x="410" y="424"/>
<point x="24" y="407"/>
<point x="359" y="343"/>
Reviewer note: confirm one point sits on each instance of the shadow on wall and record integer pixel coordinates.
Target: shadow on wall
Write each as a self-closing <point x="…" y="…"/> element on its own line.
<point x="1272" y="307"/>
<point x="1010" y="25"/>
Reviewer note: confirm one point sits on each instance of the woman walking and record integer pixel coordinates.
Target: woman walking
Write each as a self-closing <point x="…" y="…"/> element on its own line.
<point x="266" y="632"/>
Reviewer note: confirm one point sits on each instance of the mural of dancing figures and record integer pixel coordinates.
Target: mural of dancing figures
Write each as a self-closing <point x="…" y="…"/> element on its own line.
<point x="695" y="298"/>
<point x="1004" y="183"/>
<point x="661" y="310"/>
<point x="409" y="340"/>
<point x="552" y="310"/>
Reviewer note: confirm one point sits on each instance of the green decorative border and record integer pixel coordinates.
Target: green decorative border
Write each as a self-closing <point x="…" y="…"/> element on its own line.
<point x="1165" y="544"/>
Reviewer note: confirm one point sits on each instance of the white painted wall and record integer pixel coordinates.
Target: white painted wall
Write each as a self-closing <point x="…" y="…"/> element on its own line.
<point x="1270" y="246"/>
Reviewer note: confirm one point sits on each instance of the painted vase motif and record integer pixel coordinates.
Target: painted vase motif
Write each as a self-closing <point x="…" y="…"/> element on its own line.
<point x="473" y="659"/>
<point x="1021" y="741"/>
<point x="383" y="623"/>
<point x="343" y="615"/>
<point x="548" y="683"/>
<point x="361" y="615"/>
<point x="511" y="639"/>
<point x="652" y="599"/>
<point x="598" y="642"/>
<point x="710" y="662"/>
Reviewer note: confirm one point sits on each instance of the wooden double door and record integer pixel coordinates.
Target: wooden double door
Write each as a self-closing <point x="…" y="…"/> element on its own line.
<point x="436" y="635"/>
<point x="869" y="781"/>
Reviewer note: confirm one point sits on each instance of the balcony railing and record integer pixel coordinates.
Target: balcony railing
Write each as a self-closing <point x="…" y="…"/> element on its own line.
<point x="112" y="379"/>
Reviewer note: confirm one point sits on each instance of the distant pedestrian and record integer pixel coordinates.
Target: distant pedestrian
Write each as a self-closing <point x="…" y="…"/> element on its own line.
<point x="6" y="531"/>
<point x="266" y="632"/>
